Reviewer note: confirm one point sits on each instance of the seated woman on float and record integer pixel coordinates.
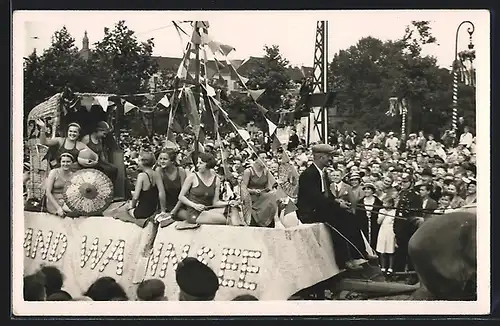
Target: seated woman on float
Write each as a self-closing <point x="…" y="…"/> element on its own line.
<point x="258" y="182"/>
<point x="69" y="144"/>
<point x="200" y="195"/>
<point x="173" y="177"/>
<point x="56" y="181"/>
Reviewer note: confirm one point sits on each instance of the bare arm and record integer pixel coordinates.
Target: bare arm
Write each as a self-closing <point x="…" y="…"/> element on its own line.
<point x="161" y="191"/>
<point x="137" y="191"/>
<point x="48" y="192"/>
<point x="184" y="190"/>
<point x="244" y="183"/>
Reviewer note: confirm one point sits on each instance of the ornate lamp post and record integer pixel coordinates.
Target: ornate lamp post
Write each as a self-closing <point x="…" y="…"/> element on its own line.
<point x="457" y="64"/>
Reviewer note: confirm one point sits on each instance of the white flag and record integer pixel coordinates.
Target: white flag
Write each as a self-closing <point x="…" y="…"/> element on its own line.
<point x="103" y="102"/>
<point x="272" y="127"/>
<point x="164" y="101"/>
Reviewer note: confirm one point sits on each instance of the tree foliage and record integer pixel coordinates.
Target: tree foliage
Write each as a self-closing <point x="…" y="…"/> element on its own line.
<point x="367" y="74"/>
<point x="270" y="75"/>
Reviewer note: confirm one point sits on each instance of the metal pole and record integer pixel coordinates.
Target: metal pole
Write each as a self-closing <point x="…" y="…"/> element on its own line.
<point x="325" y="81"/>
<point x="454" y="117"/>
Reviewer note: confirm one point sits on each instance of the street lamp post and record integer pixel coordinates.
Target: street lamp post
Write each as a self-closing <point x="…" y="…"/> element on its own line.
<point x="456" y="65"/>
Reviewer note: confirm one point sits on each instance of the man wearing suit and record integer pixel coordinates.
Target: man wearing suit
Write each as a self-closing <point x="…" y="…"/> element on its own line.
<point x="341" y="190"/>
<point x="428" y="204"/>
<point x="316" y="204"/>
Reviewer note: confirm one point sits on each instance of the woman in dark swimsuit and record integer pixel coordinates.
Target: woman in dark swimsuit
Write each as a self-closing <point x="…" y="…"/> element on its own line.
<point x="200" y="195"/>
<point x="69" y="144"/>
<point x="258" y="183"/>
<point x="149" y="190"/>
<point x="94" y="142"/>
<point x="173" y="177"/>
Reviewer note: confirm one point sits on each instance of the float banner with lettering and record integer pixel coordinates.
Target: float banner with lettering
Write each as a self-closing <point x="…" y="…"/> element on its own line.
<point x="270" y="264"/>
<point x="84" y="249"/>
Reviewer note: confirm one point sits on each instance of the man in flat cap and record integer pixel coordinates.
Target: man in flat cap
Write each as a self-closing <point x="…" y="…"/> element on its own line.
<point x="197" y="281"/>
<point x="316" y="203"/>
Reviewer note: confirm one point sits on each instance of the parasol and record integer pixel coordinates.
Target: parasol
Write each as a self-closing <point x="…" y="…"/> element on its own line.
<point x="88" y="192"/>
<point x="289" y="180"/>
<point x="246" y="207"/>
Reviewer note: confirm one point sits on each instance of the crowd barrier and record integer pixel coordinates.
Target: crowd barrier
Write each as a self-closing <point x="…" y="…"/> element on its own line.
<point x="271" y="264"/>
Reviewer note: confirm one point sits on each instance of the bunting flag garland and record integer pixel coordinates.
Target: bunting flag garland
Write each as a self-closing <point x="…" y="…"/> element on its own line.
<point x="392" y="106"/>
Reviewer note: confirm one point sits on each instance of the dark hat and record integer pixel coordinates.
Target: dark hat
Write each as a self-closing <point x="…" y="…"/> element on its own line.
<point x="151" y="290"/>
<point x="102" y="125"/>
<point x="354" y="176"/>
<point x="427" y="172"/>
<point x="196" y="279"/>
<point x="323" y="148"/>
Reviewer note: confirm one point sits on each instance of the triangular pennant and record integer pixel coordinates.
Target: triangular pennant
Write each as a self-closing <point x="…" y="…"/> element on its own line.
<point x="261" y="108"/>
<point x="103" y="102"/>
<point x="255" y="94"/>
<point x="150" y="97"/>
<point x="275" y="144"/>
<point x="244" y="80"/>
<point x="127" y="107"/>
<point x="87" y="102"/>
<point x="164" y="101"/>
<point x="272" y="126"/>
<point x="244" y="134"/>
<point x="290" y="207"/>
<point x="226" y="49"/>
<point x="210" y="90"/>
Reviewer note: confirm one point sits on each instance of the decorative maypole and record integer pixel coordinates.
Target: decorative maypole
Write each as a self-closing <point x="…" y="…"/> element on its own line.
<point x="403" y="111"/>
<point x="456" y="69"/>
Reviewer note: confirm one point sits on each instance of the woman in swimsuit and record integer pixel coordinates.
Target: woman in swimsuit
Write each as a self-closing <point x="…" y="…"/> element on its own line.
<point x="173" y="177"/>
<point x="200" y="195"/>
<point x="69" y="144"/>
<point x="149" y="190"/>
<point x="56" y="181"/>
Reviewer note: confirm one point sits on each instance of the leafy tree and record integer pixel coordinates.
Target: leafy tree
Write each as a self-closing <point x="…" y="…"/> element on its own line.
<point x="368" y="74"/>
<point x="120" y="64"/>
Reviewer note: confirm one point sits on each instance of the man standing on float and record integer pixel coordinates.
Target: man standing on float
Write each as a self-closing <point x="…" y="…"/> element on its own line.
<point x="316" y="203"/>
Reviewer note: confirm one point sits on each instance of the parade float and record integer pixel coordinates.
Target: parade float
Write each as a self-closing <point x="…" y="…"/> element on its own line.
<point x="269" y="263"/>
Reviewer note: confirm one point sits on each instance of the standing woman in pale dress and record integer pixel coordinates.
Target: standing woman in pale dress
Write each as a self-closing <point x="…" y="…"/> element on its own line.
<point x="386" y="240"/>
<point x="367" y="214"/>
<point x="56" y="181"/>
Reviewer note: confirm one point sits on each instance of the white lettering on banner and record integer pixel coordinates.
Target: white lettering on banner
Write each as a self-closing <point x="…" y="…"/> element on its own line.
<point x="243" y="268"/>
<point x="170" y="256"/>
<point x="45" y="246"/>
<point x="240" y="266"/>
<point x="116" y="253"/>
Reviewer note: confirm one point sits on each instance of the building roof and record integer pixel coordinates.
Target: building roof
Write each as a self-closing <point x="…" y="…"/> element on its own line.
<point x="244" y="67"/>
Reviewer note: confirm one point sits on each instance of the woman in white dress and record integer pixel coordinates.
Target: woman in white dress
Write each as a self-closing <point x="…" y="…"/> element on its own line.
<point x="386" y="240"/>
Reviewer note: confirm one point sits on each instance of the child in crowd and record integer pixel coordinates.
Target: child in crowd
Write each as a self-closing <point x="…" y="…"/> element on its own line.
<point x="386" y="240"/>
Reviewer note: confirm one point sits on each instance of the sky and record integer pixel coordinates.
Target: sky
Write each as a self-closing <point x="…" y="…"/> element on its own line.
<point x="249" y="31"/>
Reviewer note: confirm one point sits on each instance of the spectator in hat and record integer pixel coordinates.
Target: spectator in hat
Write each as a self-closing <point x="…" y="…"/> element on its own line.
<point x="421" y="141"/>
<point x="356" y="189"/>
<point x="53" y="279"/>
<point x="245" y="297"/>
<point x="316" y="203"/>
<point x="60" y="296"/>
<point x="196" y="281"/>
<point x="34" y="287"/>
<point x="151" y="290"/>
<point x="105" y="289"/>
<point x="95" y="141"/>
<point x="411" y="143"/>
<point x="293" y="140"/>
<point x="391" y="143"/>
<point x="367" y="214"/>
<point x="471" y="197"/>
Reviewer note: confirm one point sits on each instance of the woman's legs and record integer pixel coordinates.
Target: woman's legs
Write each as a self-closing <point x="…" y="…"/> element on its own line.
<point x="211" y="217"/>
<point x="383" y="262"/>
<point x="391" y="261"/>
